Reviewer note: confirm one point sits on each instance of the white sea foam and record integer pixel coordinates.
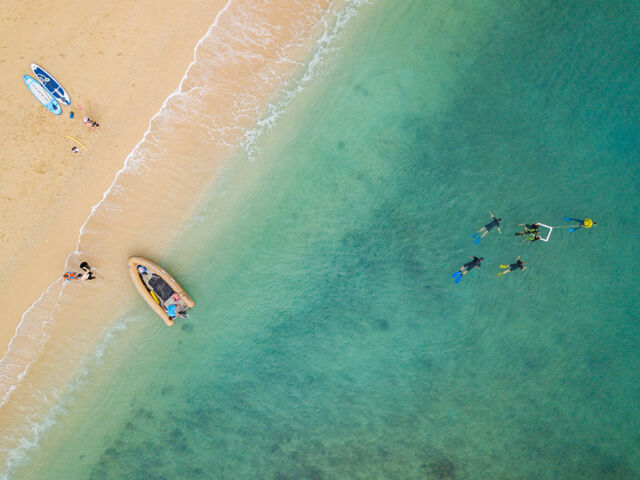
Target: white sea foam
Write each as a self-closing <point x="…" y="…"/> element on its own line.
<point x="333" y="29"/>
<point x="39" y="317"/>
<point x="27" y="329"/>
<point x="18" y="454"/>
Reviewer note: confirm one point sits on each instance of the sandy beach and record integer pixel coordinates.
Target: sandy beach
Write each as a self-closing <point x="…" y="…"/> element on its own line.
<point x="124" y="68"/>
<point x="118" y="64"/>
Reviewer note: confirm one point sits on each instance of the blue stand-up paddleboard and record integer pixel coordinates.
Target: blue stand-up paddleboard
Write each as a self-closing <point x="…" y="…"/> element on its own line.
<point x="43" y="96"/>
<point x="51" y="84"/>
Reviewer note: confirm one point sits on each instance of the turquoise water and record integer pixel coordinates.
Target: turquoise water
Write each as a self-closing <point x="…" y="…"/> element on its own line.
<point x="329" y="340"/>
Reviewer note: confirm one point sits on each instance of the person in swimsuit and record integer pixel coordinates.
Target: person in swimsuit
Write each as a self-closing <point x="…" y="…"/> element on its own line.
<point x="518" y="264"/>
<point x="466" y="267"/>
<point x="87" y="273"/>
<point x="495" y="222"/>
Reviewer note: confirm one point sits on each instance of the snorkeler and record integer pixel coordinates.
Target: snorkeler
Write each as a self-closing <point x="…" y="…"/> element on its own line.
<point x="529" y="229"/>
<point x="457" y="276"/>
<point x="586" y="223"/>
<point x="518" y="264"/>
<point x="484" y="230"/>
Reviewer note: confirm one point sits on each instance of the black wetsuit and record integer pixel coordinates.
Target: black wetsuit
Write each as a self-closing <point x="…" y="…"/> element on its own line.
<point x="473" y="263"/>
<point x="494" y="223"/>
<point x="514" y="266"/>
<point x="529" y="230"/>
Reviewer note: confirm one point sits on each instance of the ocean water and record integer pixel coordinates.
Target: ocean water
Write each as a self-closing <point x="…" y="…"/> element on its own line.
<point x="329" y="340"/>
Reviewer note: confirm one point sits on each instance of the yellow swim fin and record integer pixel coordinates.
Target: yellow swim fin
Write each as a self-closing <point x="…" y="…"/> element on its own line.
<point x="504" y="266"/>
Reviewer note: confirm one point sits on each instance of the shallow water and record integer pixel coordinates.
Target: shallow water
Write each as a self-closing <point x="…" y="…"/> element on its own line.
<point x="328" y="338"/>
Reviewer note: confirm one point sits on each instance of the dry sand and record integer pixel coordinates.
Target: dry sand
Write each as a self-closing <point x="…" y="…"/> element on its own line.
<point x="118" y="60"/>
<point x="119" y="65"/>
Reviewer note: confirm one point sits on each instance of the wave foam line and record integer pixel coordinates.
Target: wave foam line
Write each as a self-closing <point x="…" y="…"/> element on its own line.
<point x="128" y="160"/>
<point x="17" y="455"/>
<point x="18" y="331"/>
<point x="324" y="47"/>
<point x="128" y="164"/>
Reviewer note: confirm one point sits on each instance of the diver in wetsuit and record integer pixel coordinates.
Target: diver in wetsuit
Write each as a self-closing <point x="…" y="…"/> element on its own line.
<point x="518" y="264"/>
<point x="457" y="276"/>
<point x="529" y="229"/>
<point x="495" y="222"/>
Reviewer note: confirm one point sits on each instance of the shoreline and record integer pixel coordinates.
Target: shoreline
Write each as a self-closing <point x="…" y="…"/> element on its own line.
<point x="101" y="237"/>
<point x="39" y="240"/>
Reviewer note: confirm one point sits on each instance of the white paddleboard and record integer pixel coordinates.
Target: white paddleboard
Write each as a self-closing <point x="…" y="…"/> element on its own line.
<point x="43" y="95"/>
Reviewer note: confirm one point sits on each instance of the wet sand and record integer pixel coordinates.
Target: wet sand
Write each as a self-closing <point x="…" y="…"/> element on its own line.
<point x="118" y="63"/>
<point x="147" y="108"/>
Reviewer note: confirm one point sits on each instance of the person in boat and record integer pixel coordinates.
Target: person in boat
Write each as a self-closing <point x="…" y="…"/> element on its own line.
<point x="518" y="264"/>
<point x="179" y="307"/>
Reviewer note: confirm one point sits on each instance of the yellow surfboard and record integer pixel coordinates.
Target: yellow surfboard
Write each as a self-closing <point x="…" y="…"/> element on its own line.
<point x="77" y="141"/>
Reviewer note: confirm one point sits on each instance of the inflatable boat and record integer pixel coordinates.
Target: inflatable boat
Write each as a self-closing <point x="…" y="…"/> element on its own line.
<point x="163" y="294"/>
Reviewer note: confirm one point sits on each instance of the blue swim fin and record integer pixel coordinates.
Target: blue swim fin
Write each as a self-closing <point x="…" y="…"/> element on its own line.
<point x="477" y="240"/>
<point x="456" y="274"/>
<point x="458" y="278"/>
<point x="571" y="230"/>
<point x="475" y="234"/>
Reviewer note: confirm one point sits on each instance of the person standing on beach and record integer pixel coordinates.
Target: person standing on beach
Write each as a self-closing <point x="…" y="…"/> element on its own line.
<point x="495" y="222"/>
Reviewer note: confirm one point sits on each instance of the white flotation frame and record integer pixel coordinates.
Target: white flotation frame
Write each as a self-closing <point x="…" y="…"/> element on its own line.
<point x="546" y="239"/>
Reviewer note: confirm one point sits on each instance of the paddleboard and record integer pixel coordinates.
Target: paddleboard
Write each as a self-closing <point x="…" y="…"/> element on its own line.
<point x="51" y="84"/>
<point x="43" y="95"/>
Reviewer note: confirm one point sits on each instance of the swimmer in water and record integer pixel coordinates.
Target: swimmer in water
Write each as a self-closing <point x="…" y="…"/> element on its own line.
<point x="518" y="264"/>
<point x="586" y="223"/>
<point x="529" y="229"/>
<point x="457" y="276"/>
<point x="495" y="222"/>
